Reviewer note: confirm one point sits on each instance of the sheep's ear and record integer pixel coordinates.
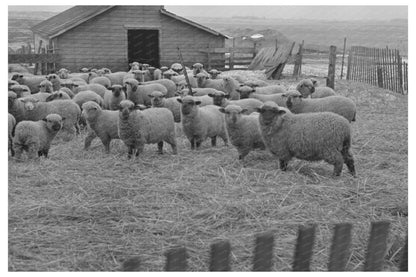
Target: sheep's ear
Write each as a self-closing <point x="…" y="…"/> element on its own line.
<point x="211" y="94"/>
<point x="39" y="86"/>
<point x="222" y="110"/>
<point x="244" y="111"/>
<point x="44" y="119"/>
<point x="63" y="118"/>
<point x="281" y="112"/>
<point x="134" y="88"/>
<point x="50" y="98"/>
<point x="179" y="100"/>
<point x="198" y="102"/>
<point x="227" y="96"/>
<point x="150" y="96"/>
<point x="259" y="110"/>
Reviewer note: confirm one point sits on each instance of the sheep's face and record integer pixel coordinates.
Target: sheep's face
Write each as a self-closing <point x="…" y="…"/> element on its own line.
<point x="130" y="86"/>
<point x="189" y="105"/>
<point x="201" y="79"/>
<point x="17" y="77"/>
<point x="52" y="77"/>
<point x="12" y="83"/>
<point x="214" y="74"/>
<point x="53" y="122"/>
<point x="197" y="68"/>
<point x="232" y="113"/>
<point x="293" y="99"/>
<point x="58" y="95"/>
<point x="157" y="98"/>
<point x="45" y="86"/>
<point x="90" y="110"/>
<point x="106" y="70"/>
<point x="125" y="108"/>
<point x="270" y="114"/>
<point x="11" y="98"/>
<point x="177" y="67"/>
<point x="92" y="75"/>
<point x="63" y="73"/>
<point x="139" y="75"/>
<point x="20" y="90"/>
<point x="117" y="90"/>
<point x="306" y="87"/>
<point x="218" y="98"/>
<point x="29" y="103"/>
<point x="164" y="68"/>
<point x="245" y="91"/>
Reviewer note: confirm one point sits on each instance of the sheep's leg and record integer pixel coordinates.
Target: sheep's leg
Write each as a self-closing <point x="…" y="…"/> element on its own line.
<point x="225" y="139"/>
<point x="172" y="143"/>
<point x="160" y="147"/>
<point x="214" y="141"/>
<point x="18" y="150"/>
<point x="130" y="152"/>
<point x="193" y="143"/>
<point x="242" y="154"/>
<point x="32" y="152"/>
<point x="45" y="153"/>
<point x="77" y="129"/>
<point x="106" y="142"/>
<point x="40" y="153"/>
<point x="198" y="142"/>
<point x="139" y="149"/>
<point x="283" y="164"/>
<point x="89" y="138"/>
<point x="338" y="161"/>
<point x="349" y="161"/>
<point x="11" y="146"/>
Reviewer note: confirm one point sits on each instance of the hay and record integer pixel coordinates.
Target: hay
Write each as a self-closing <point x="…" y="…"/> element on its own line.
<point x="88" y="211"/>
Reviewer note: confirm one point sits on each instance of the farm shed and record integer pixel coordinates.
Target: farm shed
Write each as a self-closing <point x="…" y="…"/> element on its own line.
<point x="114" y="36"/>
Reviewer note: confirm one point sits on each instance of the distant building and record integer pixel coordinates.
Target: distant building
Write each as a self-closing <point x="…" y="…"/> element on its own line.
<point x="114" y="36"/>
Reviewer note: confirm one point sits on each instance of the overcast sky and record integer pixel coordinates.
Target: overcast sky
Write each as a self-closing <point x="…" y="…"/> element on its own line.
<point x="285" y="12"/>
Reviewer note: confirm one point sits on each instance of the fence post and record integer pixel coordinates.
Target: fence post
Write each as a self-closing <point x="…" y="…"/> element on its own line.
<point x="349" y="65"/>
<point x="220" y="256"/>
<point x="254" y="51"/>
<point x="37" y="64"/>
<point x="400" y="72"/>
<point x="209" y="56"/>
<point x="232" y="56"/>
<point x="176" y="259"/>
<point x="43" y="64"/>
<point x="377" y="245"/>
<point x="298" y="61"/>
<point x="263" y="252"/>
<point x="379" y="77"/>
<point x="340" y="247"/>
<point x="343" y="55"/>
<point x="330" y="81"/>
<point x="304" y="246"/>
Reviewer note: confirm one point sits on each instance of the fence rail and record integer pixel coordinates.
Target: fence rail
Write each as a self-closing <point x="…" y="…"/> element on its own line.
<point x="379" y="67"/>
<point x="176" y="258"/>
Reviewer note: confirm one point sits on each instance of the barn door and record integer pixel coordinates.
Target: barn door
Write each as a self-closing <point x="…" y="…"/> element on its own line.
<point x="143" y="46"/>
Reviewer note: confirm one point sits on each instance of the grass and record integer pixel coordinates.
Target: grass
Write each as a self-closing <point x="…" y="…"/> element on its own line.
<point x="88" y="211"/>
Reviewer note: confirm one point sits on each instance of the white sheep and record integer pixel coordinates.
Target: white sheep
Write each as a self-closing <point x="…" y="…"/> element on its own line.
<point x="337" y="104"/>
<point x="197" y="91"/>
<point x="181" y="82"/>
<point x="310" y="87"/>
<point x="226" y="84"/>
<point x="137" y="128"/>
<point x="312" y="137"/>
<point x="117" y="78"/>
<point x="243" y="130"/>
<point x="113" y="97"/>
<point x="87" y="95"/>
<point x="20" y="90"/>
<point x="32" y="82"/>
<point x="169" y="73"/>
<point x="204" y="99"/>
<point x="249" y="92"/>
<point x="157" y="74"/>
<point x="32" y="109"/>
<point x="159" y="100"/>
<point x="102" y="80"/>
<point x="198" y="68"/>
<point x="255" y="83"/>
<point x="58" y="95"/>
<point x="11" y="125"/>
<point x="168" y="84"/>
<point x="139" y="94"/>
<point x="177" y="67"/>
<point x="46" y="86"/>
<point x="35" y="137"/>
<point x="97" y="88"/>
<point x="40" y="96"/>
<point x="55" y="80"/>
<point x="199" y="123"/>
<point x="214" y="73"/>
<point x="12" y="83"/>
<point x="220" y="99"/>
<point x="67" y="91"/>
<point x="102" y="123"/>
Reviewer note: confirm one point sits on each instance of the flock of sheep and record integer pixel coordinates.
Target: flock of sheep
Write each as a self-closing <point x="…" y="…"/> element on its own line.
<point x="141" y="106"/>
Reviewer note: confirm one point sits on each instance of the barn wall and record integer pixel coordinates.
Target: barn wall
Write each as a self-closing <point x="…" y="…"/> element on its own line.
<point x="189" y="39"/>
<point x="102" y="40"/>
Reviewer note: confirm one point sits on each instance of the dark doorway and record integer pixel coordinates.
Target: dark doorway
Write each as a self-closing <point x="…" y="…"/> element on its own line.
<point x="143" y="46"/>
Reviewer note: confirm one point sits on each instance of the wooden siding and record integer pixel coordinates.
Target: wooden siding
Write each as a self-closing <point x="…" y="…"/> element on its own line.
<point x="102" y="40"/>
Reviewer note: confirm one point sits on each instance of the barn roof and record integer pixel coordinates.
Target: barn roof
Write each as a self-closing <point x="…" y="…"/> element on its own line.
<point x="77" y="15"/>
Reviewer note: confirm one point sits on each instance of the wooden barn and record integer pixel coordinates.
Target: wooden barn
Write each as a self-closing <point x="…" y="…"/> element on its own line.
<point x="114" y="36"/>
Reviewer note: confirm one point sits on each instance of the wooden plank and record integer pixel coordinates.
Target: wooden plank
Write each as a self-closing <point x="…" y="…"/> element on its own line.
<point x="400" y="72"/>
<point x="343" y="55"/>
<point x="377" y="246"/>
<point x="176" y="259"/>
<point x="217" y="50"/>
<point x="232" y="55"/>
<point x="349" y="65"/>
<point x="304" y="247"/>
<point x="340" y="247"/>
<point x="263" y="252"/>
<point x="220" y="256"/>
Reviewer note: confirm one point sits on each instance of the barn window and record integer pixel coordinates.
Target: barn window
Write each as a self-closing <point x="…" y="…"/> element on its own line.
<point x="143" y="46"/>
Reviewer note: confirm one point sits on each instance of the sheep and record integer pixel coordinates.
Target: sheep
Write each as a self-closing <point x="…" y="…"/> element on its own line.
<point x="157" y="74"/>
<point x="32" y="82"/>
<point x="113" y="97"/>
<point x="214" y="73"/>
<point x="97" y="88"/>
<point x="12" y="83"/>
<point x="305" y="87"/>
<point x="137" y="128"/>
<point x="57" y="95"/>
<point x="278" y="98"/>
<point x="226" y="84"/>
<point x="243" y="130"/>
<point x="159" y="100"/>
<point x="55" y="80"/>
<point x="205" y="100"/>
<point x="197" y="91"/>
<point x="177" y="67"/>
<point x="255" y="83"/>
<point x="66" y="74"/>
<point x="87" y="95"/>
<point x="199" y="123"/>
<point x="134" y="66"/>
<point x="20" y="90"/>
<point x="168" y="84"/>
<point x="117" y="78"/>
<point x="271" y="89"/>
<point x="220" y="99"/>
<point x="169" y="73"/>
<point x="40" y="96"/>
<point x="337" y="104"/>
<point x="198" y="68"/>
<point x="102" y="123"/>
<point x="11" y="125"/>
<point x="92" y="75"/>
<point x="16" y="107"/>
<point x="35" y="137"/>
<point x="46" y="86"/>
<point x="102" y="80"/>
<point x="180" y="82"/>
<point x="67" y="91"/>
<point x="32" y="109"/>
<point x="312" y="137"/>
<point x="139" y="94"/>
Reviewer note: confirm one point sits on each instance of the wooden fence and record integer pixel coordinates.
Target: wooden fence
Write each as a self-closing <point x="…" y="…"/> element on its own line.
<point x="263" y="251"/>
<point x="379" y="67"/>
<point x="229" y="58"/>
